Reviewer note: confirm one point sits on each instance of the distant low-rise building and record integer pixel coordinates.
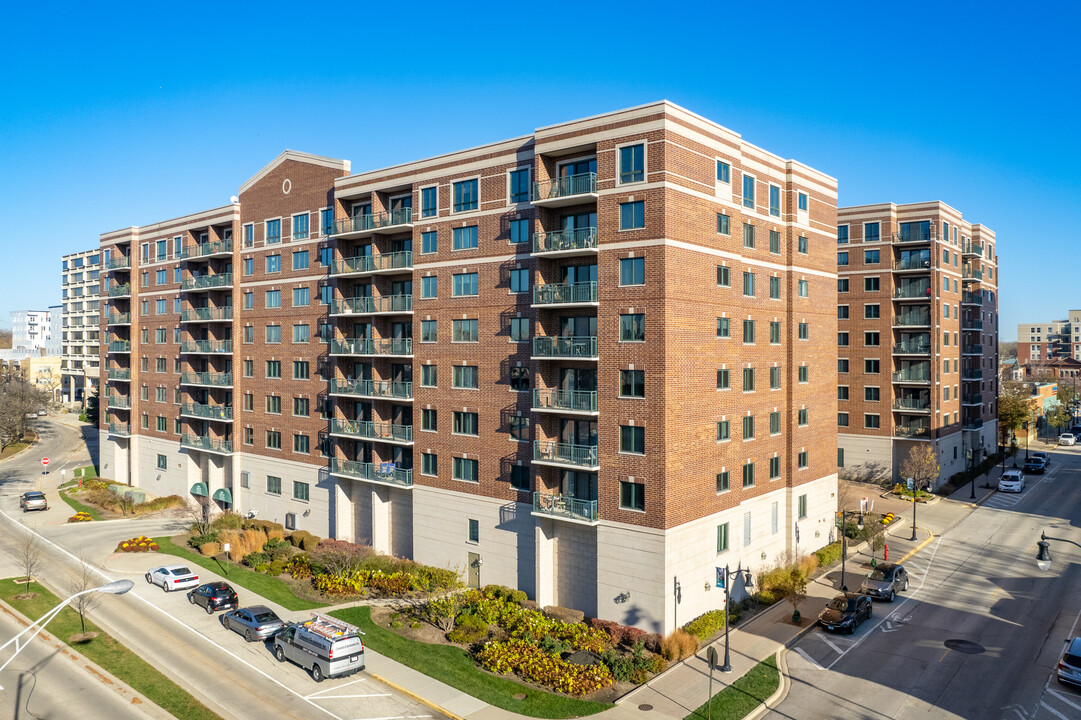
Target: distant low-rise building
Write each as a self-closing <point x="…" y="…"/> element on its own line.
<point x="80" y="332"/>
<point x="1044" y="341"/>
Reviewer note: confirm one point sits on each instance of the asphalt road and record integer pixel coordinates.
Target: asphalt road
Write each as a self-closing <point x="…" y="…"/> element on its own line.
<point x="980" y="630"/>
<point x="233" y="678"/>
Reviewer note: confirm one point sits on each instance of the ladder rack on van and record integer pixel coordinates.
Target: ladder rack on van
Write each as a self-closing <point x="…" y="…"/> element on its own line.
<point x="331" y="628"/>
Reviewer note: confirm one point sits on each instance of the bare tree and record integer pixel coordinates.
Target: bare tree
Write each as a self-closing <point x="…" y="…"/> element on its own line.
<point x="18" y="398"/>
<point x="85" y="579"/>
<point x="30" y="556"/>
<point x="199" y="514"/>
<point x="921" y="465"/>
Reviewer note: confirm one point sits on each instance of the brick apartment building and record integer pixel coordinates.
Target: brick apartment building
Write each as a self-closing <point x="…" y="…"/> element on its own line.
<point x="594" y="362"/>
<point x="1038" y="343"/>
<point x="918" y="336"/>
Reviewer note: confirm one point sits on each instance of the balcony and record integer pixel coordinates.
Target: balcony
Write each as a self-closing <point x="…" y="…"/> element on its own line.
<point x="912" y="377"/>
<point x="912" y="320"/>
<point x="565" y="508"/>
<point x="399" y="347"/>
<point x="384" y="222"/>
<point x="912" y="405"/>
<point x="121" y="374"/>
<point x="565" y="455"/>
<point x="574" y="348"/>
<point x="971" y="298"/>
<point x="207" y="347"/>
<point x="368" y="430"/>
<point x="912" y="292"/>
<point x="971" y="275"/>
<point x="206" y="443"/>
<point x="208" y="282"/>
<point x="120" y="346"/>
<point x="972" y="399"/>
<point x="912" y="238"/>
<point x="119" y="402"/>
<point x="912" y="432"/>
<point x="207" y="249"/>
<point x="207" y="412"/>
<point x="207" y="314"/>
<point x="382" y="473"/>
<point x="972" y="249"/>
<point x="912" y="348"/>
<point x="967" y="324"/>
<point x="569" y="190"/>
<point x="382" y="305"/>
<point x="912" y="265"/>
<point x="117" y="291"/>
<point x="564" y="401"/>
<point x="120" y="429"/>
<point x="378" y="389"/>
<point x="206" y="378"/>
<point x="972" y="374"/>
<point x="972" y="424"/>
<point x="972" y="349"/>
<point x="565" y="294"/>
<point x="119" y="319"/>
<point x="394" y="262"/>
<point x="566" y="243"/>
<point x="119" y="263"/>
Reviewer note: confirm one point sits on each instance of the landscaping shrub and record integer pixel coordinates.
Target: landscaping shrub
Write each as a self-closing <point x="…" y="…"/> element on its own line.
<point x="299" y="567"/>
<point x="510" y="594"/>
<point x="530" y="662"/>
<point x="469" y="629"/>
<point x="678" y="645"/>
<point x="197" y="541"/>
<point x="614" y="629"/>
<point x="158" y="504"/>
<point x="210" y="549"/>
<point x="266" y="526"/>
<point x="658" y="664"/>
<point x="256" y="559"/>
<point x="309" y="543"/>
<point x="80" y="517"/>
<point x="277" y="549"/>
<point x="137" y="544"/>
<point x="632" y="636"/>
<point x="228" y="520"/>
<point x="567" y="615"/>
<point x="553" y="646"/>
<point x="706" y="625"/>
<point x="829" y="554"/>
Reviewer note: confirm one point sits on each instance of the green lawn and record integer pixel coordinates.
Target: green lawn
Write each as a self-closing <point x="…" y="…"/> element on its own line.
<point x="455" y="667"/>
<point x="78" y="506"/>
<point x="108" y="653"/>
<point x="263" y="585"/>
<point x="744" y="695"/>
<point x="86" y="472"/>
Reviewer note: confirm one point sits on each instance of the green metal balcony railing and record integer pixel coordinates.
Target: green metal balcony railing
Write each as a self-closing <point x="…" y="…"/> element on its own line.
<point x="972" y="399"/>
<point x="972" y="349"/>
<point x="206" y="443"/>
<point x="207" y="248"/>
<point x="565" y="347"/>
<point x="120" y="346"/>
<point x="571" y="400"/>
<point x="564" y="240"/>
<point x="911" y="404"/>
<point x="912" y="431"/>
<point x="972" y="374"/>
<point x="971" y="298"/>
<point x="120" y="402"/>
<point x="207" y="346"/>
<point x="560" y="187"/>
<point x="120" y="290"/>
<point x="972" y="324"/>
<point x="206" y="314"/>
<point x="565" y="453"/>
<point x="564" y="506"/>
<point x="565" y="293"/>
<point x="972" y="248"/>
<point x="120" y="319"/>
<point x="119" y="374"/>
<point x="376" y="472"/>
<point x="369" y="346"/>
<point x="972" y="424"/>
<point x="374" y="263"/>
<point x="374" y="221"/>
<point x="913" y="376"/>
<point x="210" y="412"/>
<point x="913" y="292"/>
<point x="912" y="348"/>
<point x="117" y="263"/>
<point x="204" y="282"/>
<point x="971" y="274"/>
<point x="372" y="305"/>
<point x="372" y="388"/>
<point x="912" y="320"/>
<point x="122" y="429"/>
<point x="369" y="430"/>
<point x="207" y="378"/>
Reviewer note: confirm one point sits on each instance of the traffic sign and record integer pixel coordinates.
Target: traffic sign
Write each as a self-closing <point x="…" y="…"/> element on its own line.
<point x="44" y="461"/>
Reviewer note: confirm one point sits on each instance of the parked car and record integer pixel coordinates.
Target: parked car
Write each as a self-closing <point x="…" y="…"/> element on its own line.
<point x="1012" y="481"/>
<point x="1034" y="465"/>
<point x="214" y="596"/>
<point x="42" y="413"/>
<point x="1067" y="439"/>
<point x="33" y="500"/>
<point x="257" y="622"/>
<point x="325" y="645"/>
<point x="1043" y="456"/>
<point x="172" y="577"/>
<point x="885" y="581"/>
<point x="845" y="612"/>
<point x="1069" y="667"/>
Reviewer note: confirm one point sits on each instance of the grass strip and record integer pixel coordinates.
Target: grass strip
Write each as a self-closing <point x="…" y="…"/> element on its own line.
<point x="78" y="506"/>
<point x="266" y="586"/>
<point x="108" y="653"/>
<point x="87" y="472"/>
<point x="455" y="667"/>
<point x="744" y="695"/>
<point x="13" y="449"/>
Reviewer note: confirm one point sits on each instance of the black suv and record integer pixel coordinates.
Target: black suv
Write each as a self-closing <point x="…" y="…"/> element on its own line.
<point x="845" y="612"/>
<point x="214" y="596"/>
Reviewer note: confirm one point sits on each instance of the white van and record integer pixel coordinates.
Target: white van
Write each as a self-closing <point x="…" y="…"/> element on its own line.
<point x="325" y="645"/>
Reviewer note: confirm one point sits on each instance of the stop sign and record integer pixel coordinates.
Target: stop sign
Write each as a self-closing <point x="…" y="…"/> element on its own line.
<point x="44" y="461"/>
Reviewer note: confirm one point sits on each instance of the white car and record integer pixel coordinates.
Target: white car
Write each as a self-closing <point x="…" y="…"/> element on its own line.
<point x="1012" y="481"/>
<point x="1067" y="439"/>
<point x="172" y="577"/>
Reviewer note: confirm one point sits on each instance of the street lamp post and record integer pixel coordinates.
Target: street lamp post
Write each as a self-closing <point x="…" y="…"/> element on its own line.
<point x="726" y="580"/>
<point x="1043" y="553"/>
<point x="117" y="587"/>
<point x="915" y="494"/>
<point x="844" y="541"/>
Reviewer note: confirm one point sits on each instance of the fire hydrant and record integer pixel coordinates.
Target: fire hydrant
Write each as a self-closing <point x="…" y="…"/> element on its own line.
<point x="887" y="549"/>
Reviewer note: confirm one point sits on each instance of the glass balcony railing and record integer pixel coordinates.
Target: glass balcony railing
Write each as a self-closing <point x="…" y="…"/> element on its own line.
<point x="118" y="263"/>
<point x="207" y="314"/>
<point x="971" y="298"/>
<point x="206" y="443"/>
<point x="207" y="346"/>
<point x="912" y="292"/>
<point x="972" y="349"/>
<point x="120" y="319"/>
<point x="374" y="263"/>
<point x="376" y="472"/>
<point x="972" y="248"/>
<point x="563" y="506"/>
<point x="565" y="293"/>
<point x="119" y="402"/>
<point x="972" y="424"/>
<point x="567" y="186"/>
<point x="565" y="347"/>
<point x="120" y="290"/>
<point x="120" y="346"/>
<point x="119" y="374"/>
<point x="912" y="320"/>
<point x="204" y="282"/>
<point x="121" y="429"/>
<point x="372" y="388"/>
<point x="972" y="374"/>
<point x="373" y="305"/>
<point x="971" y="274"/>
<point x="912" y="431"/>
<point x="913" y="264"/>
<point x="565" y="454"/>
<point x="207" y="378"/>
<point x="916" y="236"/>
<point x="912" y="376"/>
<point x="972" y="399"/>
<point x="912" y="404"/>
<point x="369" y="346"/>
<point x="569" y="400"/>
<point x="210" y="412"/>
<point x="912" y="348"/>
<point x="583" y="239"/>
<point x="967" y="324"/>
<point x="374" y="222"/>
<point x="208" y="248"/>
<point x="369" y="430"/>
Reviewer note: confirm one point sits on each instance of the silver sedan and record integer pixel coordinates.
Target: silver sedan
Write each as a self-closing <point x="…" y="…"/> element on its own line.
<point x="257" y="622"/>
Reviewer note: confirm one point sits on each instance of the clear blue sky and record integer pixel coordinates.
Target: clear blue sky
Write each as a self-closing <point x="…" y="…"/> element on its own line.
<point x="113" y="116"/>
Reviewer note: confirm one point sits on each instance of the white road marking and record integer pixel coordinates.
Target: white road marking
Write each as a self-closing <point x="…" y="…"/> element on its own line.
<point x="822" y="636"/>
<point x="339" y="687"/>
<point x="1065" y="699"/>
<point x="1051" y="710"/>
<point x="808" y="658"/>
<point x="329" y="697"/>
<point x="397" y="717"/>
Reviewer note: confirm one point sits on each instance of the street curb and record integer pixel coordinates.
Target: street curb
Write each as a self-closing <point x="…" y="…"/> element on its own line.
<point x="418" y="698"/>
<point x="919" y="547"/>
<point x="783" y="688"/>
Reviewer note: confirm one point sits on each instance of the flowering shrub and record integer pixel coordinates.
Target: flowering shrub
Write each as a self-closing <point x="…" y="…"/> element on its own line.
<point x="80" y="517"/>
<point x="354" y="583"/>
<point x="530" y="662"/>
<point x="495" y="608"/>
<point x="137" y="544"/>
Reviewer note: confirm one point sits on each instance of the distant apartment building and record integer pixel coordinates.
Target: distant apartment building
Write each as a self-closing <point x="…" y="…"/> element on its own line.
<point x="594" y="362"/>
<point x="1043" y="341"/>
<point x="917" y="335"/>
<point x="30" y="329"/>
<point x="80" y="333"/>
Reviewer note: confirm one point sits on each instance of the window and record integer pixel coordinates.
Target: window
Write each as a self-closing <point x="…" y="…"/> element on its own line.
<point x="300" y="489"/>
<point x="842" y="339"/>
<point x="774" y="288"/>
<point x="632" y="496"/>
<point x="801" y="288"/>
<point x="519" y="329"/>
<point x="722" y="532"/>
<point x="249" y="368"/>
<point x="300" y="258"/>
<point x="748" y="191"/>
<point x="519" y="231"/>
<point x="748" y="284"/>
<point x="519" y="379"/>
<point x="842" y="258"/>
<point x="632" y="163"/>
<point x="301" y="407"/>
<point x="724" y="172"/>
<point x="870" y="366"/>
<point x="428" y="242"/>
<point x="870" y="284"/>
<point x="748" y="379"/>
<point x="273" y="231"/>
<point x="273" y="440"/>
<point x="632" y="383"/>
<point x="159" y="365"/>
<point x="273" y="298"/>
<point x="466" y="195"/>
<point x="429" y="286"/>
<point x="724" y="224"/>
<point x="161" y="336"/>
<point x="801" y="245"/>
<point x="273" y="368"/>
<point x="300" y="227"/>
<point x="249" y="436"/>
<point x="519" y="428"/>
<point x="842" y="365"/>
<point x="273" y="333"/>
<point x="774" y="468"/>
<point x="871" y="232"/>
<point x="723" y="431"/>
<point x="871" y="394"/>
<point x="632" y="271"/>
<point x="775" y="378"/>
<point x="723" y="379"/>
<point x="465" y="284"/>
<point x="464" y="238"/>
<point x="163" y="462"/>
<point x="722" y="482"/>
<point x="474" y="531"/>
<point x="273" y="404"/>
<point x="159" y="394"/>
<point x="871" y="339"/>
<point x="842" y="312"/>
<point x="748" y="427"/>
<point x="748" y="235"/>
<point x="632" y="439"/>
<point x="428" y="331"/>
<point x="632" y="215"/>
<point x="429" y="203"/>
<point x="723" y="279"/>
<point x="429" y="463"/>
<point x="870" y="257"/>
<point x="465" y="469"/>
<point x="842" y="285"/>
<point x="801" y="417"/>
<point x="803" y="331"/>
<point x="870" y="421"/>
<point x="632" y="328"/>
<point x="428" y="375"/>
<point x="722" y="327"/>
<point x="519" y="280"/>
<point x="748" y="331"/>
<point x="429" y="420"/>
<point x="464" y="331"/>
<point x="464" y="376"/>
<point x="300" y="297"/>
<point x="871" y="311"/>
<point x="273" y="263"/>
<point x="775" y="423"/>
<point x="326" y="221"/>
<point x="519" y="185"/>
<point x="842" y="233"/>
<point x="774" y="241"/>
<point x="249" y="235"/>
<point x="465" y="423"/>
<point x="802" y="201"/>
<point x="774" y="201"/>
<point x="301" y="333"/>
<point x="748" y="475"/>
<point x="842" y="419"/>
<point x="273" y="485"/>
<point x="161" y="277"/>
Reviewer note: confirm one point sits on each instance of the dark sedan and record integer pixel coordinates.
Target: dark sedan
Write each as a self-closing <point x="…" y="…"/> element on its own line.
<point x="257" y="622"/>
<point x="1034" y="465"/>
<point x="213" y="596"/>
<point x="845" y="612"/>
<point x="885" y="581"/>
